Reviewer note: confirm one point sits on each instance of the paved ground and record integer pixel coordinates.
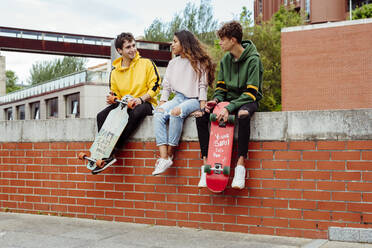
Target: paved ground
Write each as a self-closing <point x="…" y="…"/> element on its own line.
<point x="31" y="231"/>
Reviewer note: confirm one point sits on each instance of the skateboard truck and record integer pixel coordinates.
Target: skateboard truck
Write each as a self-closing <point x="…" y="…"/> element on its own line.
<point x="125" y="101"/>
<point x="217" y="169"/>
<point x="221" y="123"/>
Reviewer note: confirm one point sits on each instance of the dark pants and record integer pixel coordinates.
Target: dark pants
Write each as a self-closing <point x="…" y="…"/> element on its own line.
<point x="244" y="130"/>
<point x="136" y="116"/>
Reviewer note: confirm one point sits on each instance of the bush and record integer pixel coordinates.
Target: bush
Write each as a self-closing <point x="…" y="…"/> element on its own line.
<point x="363" y="12"/>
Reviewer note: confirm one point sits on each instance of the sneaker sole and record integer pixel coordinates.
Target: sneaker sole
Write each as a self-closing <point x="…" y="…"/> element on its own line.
<point x="94" y="172"/>
<point x="158" y="173"/>
<point x="237" y="187"/>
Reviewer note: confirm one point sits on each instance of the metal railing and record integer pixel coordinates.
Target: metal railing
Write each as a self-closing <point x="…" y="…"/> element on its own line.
<point x="72" y="38"/>
<point x="50" y="36"/>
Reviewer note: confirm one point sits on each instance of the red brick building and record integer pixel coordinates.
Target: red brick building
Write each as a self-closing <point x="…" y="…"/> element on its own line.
<point x="327" y="66"/>
<point x="319" y="11"/>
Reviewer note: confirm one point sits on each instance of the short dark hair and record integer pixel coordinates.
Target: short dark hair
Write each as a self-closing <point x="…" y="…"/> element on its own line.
<point x="230" y="30"/>
<point x="121" y="38"/>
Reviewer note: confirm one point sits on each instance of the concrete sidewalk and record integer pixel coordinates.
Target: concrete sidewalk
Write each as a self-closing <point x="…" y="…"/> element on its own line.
<point x="25" y="230"/>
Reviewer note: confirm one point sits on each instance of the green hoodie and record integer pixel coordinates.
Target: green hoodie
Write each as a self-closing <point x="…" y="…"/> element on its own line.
<point x="240" y="81"/>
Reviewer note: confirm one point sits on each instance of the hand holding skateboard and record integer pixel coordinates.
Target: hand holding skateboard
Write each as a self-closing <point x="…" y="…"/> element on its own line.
<point x="223" y="115"/>
<point x="210" y="105"/>
<point x="132" y="103"/>
<point x="110" y="99"/>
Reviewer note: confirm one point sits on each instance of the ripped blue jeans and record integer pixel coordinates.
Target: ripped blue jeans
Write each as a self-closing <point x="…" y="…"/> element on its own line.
<point x="163" y="113"/>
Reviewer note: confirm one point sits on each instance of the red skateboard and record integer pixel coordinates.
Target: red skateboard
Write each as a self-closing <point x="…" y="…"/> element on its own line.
<point x="219" y="150"/>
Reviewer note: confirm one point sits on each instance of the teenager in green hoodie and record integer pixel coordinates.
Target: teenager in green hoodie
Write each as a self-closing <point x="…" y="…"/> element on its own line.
<point x="239" y="82"/>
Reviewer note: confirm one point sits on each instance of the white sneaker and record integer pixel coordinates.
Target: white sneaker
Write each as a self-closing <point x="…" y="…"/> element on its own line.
<point x="203" y="178"/>
<point x="161" y="165"/>
<point x="239" y="178"/>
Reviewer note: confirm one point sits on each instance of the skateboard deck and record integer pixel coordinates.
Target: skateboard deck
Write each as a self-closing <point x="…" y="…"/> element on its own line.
<point x="108" y="136"/>
<point x="219" y="151"/>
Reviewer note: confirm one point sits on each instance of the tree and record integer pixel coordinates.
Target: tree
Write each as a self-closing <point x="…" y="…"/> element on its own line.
<point x="363" y="12"/>
<point x="11" y="80"/>
<point x="196" y="19"/>
<point x="49" y="70"/>
<point x="156" y="32"/>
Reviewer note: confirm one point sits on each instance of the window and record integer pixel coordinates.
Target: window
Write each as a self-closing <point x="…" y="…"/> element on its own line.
<point x="9" y="114"/>
<point x="21" y="112"/>
<point x="52" y="107"/>
<point x="73" y="105"/>
<point x="35" y="110"/>
<point x="164" y="47"/>
<point x="260" y="6"/>
<point x="285" y="2"/>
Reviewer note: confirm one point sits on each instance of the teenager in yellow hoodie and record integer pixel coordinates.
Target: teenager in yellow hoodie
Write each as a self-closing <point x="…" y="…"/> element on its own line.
<point x="135" y="76"/>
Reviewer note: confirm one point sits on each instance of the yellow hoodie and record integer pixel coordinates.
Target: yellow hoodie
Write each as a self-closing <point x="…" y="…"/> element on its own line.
<point x="139" y="78"/>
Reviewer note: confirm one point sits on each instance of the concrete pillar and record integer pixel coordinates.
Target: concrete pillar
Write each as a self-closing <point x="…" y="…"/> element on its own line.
<point x="114" y="52"/>
<point x="61" y="107"/>
<point x="43" y="109"/>
<point x="2" y="76"/>
<point x="27" y="111"/>
<point x="14" y="113"/>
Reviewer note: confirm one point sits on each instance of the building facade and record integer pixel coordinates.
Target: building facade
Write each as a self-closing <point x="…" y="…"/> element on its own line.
<point x="327" y="66"/>
<point x="78" y="95"/>
<point x="317" y="11"/>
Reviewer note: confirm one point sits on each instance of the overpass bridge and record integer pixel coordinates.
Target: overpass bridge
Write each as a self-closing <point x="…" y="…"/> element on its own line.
<point x="45" y="42"/>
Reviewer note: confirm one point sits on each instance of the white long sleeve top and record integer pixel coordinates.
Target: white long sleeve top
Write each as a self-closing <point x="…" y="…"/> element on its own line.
<point x="181" y="77"/>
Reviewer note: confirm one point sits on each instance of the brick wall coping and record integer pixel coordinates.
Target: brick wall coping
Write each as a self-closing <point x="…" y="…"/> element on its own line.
<point x="327" y="25"/>
<point x="266" y="126"/>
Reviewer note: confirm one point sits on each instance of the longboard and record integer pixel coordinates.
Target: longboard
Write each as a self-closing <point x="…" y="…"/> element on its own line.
<point x="108" y="136"/>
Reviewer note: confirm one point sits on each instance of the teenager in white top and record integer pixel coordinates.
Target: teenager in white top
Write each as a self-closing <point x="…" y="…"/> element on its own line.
<point x="188" y="76"/>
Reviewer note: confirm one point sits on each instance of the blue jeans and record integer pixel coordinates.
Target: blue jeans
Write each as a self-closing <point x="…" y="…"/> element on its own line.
<point x="162" y="115"/>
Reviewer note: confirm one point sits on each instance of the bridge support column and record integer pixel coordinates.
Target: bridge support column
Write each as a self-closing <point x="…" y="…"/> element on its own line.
<point x="2" y="76"/>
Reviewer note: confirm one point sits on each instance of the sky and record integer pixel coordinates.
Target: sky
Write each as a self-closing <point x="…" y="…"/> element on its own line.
<point x="95" y="17"/>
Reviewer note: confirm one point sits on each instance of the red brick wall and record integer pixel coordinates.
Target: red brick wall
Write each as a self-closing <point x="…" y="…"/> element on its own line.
<point x="294" y="188"/>
<point x="327" y="68"/>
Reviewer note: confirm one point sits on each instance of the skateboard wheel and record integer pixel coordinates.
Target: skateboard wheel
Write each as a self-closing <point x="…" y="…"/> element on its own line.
<point x="100" y="163"/>
<point x="226" y="171"/>
<point x="213" y="117"/>
<point x="231" y="119"/>
<point x="131" y="104"/>
<point x="82" y="155"/>
<point x="207" y="169"/>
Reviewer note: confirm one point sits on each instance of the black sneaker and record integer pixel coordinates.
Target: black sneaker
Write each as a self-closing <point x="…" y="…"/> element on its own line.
<point x="108" y="162"/>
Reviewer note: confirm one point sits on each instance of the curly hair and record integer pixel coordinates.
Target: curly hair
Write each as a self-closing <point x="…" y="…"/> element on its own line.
<point x="196" y="54"/>
<point x="230" y="30"/>
<point x="121" y="38"/>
